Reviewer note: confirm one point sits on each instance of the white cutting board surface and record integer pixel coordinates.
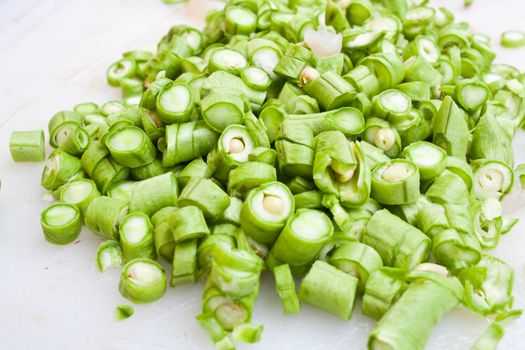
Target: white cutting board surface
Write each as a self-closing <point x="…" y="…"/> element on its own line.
<point x="53" y="54"/>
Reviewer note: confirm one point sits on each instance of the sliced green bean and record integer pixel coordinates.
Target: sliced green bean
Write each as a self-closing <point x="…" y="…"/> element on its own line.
<point x="109" y="255"/>
<point x="136" y="237"/>
<point x="103" y="216"/>
<point x="329" y="89"/>
<point x="188" y="223"/>
<point x="488" y="286"/>
<point x="249" y="175"/>
<point x="60" y="120"/>
<point x="186" y="141"/>
<point x="381" y="134"/>
<point x="383" y="288"/>
<point x="131" y="147"/>
<point x="329" y="289"/>
<point x="221" y="109"/>
<point x="356" y="259"/>
<point x="491" y="179"/>
<point x="80" y="193"/>
<point x="234" y="146"/>
<point x="59" y="169"/>
<point x="471" y="95"/>
<point x="455" y="250"/>
<point x="142" y="281"/>
<point x="448" y="188"/>
<point x="513" y="38"/>
<point x="61" y="223"/>
<point x="235" y="272"/>
<point x="462" y="169"/>
<point x="490" y="141"/>
<point x="417" y="68"/>
<point x="266" y="210"/>
<point x="247" y="333"/>
<point x="123" y="68"/>
<point x="175" y="103"/>
<point x="184" y="267"/>
<point x="162" y="235"/>
<point x="303" y="237"/>
<point x="27" y="146"/>
<point x="395" y="183"/>
<point x="450" y="129"/>
<point x="399" y="244"/>
<point x="409" y="322"/>
<point x="285" y="286"/>
<point x="206" y="195"/>
<point x="391" y="105"/>
<point x="215" y="332"/>
<point x="431" y="160"/>
<point x="123" y="311"/>
<point x="153" y="194"/>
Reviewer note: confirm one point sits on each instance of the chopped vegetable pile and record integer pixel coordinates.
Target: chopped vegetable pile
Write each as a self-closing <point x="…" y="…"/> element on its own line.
<point x="360" y="148"/>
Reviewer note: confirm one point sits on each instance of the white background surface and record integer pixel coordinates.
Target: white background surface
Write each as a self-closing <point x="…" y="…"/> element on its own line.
<point x="53" y="54"/>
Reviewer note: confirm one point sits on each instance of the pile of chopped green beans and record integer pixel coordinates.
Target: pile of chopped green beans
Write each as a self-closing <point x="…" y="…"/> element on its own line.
<point x="363" y="147"/>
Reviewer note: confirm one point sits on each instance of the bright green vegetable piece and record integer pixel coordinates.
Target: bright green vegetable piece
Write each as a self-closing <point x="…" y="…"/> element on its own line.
<point x="124" y="68"/>
<point x="235" y="272"/>
<point x="399" y="244"/>
<point x="206" y="195"/>
<point x="383" y="288"/>
<point x="59" y="169"/>
<point x="395" y="182"/>
<point x="266" y="210"/>
<point x="448" y="188"/>
<point x="80" y="193"/>
<point x="430" y="159"/>
<point x="184" y="267"/>
<point x="221" y="109"/>
<point x="142" y="281"/>
<point x="247" y="333"/>
<point x="61" y="223"/>
<point x="234" y="147"/>
<point x="340" y="168"/>
<point x="122" y="190"/>
<point x="63" y="119"/>
<point x="513" y="38"/>
<point x="249" y="175"/>
<point x="136" y="237"/>
<point x="103" y="216"/>
<point x="455" y="250"/>
<point x="27" y="146"/>
<point x="174" y="103"/>
<point x="285" y="286"/>
<point x="329" y="289"/>
<point x="302" y="239"/>
<point x="409" y="322"/>
<point x="123" y="311"/>
<point x="153" y="194"/>
<point x="186" y="141"/>
<point x="109" y="255"/>
<point x="490" y="141"/>
<point x="391" y="105"/>
<point x="488" y="286"/>
<point x="450" y="129"/>
<point x="356" y="259"/>
<point x="162" y="235"/>
<point x="492" y="179"/>
<point x="215" y="332"/>
<point x="131" y="147"/>
<point x="205" y="250"/>
<point x="188" y="223"/>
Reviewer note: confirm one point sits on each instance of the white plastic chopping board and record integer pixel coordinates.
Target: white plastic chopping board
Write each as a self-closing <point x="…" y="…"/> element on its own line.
<point x="53" y="54"/>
